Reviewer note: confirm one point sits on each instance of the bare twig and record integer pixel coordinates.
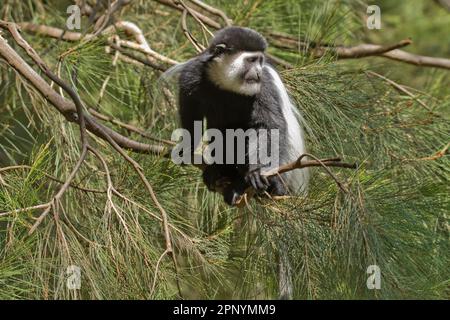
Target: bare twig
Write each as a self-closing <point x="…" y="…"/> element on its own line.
<point x="365" y="50"/>
<point x="197" y="45"/>
<point x="437" y="155"/>
<point x="145" y="61"/>
<point x="418" y="60"/>
<point x="400" y="88"/>
<point x="205" y="19"/>
<point x="53" y="32"/>
<point x="325" y="163"/>
<point x="104" y="20"/>
<point x="298" y="164"/>
<point x="129" y="127"/>
<point x="156" y="271"/>
<point x="213" y="11"/>
<point x="75" y="186"/>
<point x="54" y="202"/>
<point x="359" y="51"/>
<point x="192" y="13"/>
<point x="445" y="4"/>
<point x="85" y="8"/>
<point x="66" y="107"/>
<point x="130" y="28"/>
<point x="279" y="62"/>
<point x="36" y="207"/>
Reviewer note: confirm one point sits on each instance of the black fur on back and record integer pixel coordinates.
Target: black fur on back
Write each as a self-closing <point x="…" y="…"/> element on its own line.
<point x="239" y="39"/>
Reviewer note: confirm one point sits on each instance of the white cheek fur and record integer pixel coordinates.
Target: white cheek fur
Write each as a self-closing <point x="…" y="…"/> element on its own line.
<point x="225" y="72"/>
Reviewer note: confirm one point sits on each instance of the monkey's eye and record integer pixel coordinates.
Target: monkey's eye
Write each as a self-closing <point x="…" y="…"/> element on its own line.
<point x="220" y="48"/>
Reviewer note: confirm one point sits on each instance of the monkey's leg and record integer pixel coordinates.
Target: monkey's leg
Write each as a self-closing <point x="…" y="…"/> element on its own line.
<point x="213" y="173"/>
<point x="285" y="285"/>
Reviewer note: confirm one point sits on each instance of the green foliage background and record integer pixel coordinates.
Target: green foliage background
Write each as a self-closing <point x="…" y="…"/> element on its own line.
<point x="395" y="214"/>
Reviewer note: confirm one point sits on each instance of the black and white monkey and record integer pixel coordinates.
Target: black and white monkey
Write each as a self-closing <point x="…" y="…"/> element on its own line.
<point x="232" y="86"/>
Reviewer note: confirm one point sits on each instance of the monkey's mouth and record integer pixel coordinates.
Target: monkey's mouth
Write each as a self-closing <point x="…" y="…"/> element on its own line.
<point x="252" y="78"/>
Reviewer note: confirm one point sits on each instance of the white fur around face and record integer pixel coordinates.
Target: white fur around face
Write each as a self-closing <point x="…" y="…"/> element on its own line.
<point x="225" y="71"/>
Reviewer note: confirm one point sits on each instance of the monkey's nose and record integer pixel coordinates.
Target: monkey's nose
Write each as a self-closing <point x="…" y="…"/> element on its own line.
<point x="253" y="75"/>
<point x="256" y="57"/>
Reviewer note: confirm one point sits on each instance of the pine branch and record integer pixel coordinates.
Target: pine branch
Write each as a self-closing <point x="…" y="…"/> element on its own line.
<point x="66" y="107"/>
<point x="359" y="51"/>
<point x="84" y="122"/>
<point x="297" y="164"/>
<point x="140" y="44"/>
<point x="178" y="6"/>
<point x="49" y="176"/>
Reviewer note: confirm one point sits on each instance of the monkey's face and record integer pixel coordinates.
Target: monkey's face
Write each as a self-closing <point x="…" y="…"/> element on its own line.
<point x="239" y="72"/>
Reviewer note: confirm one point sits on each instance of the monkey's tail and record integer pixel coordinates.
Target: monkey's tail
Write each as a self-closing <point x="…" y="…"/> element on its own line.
<point x="285" y="285"/>
<point x="297" y="180"/>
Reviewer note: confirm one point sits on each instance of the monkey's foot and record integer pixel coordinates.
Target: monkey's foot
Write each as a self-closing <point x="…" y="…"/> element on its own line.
<point x="234" y="192"/>
<point x="258" y="181"/>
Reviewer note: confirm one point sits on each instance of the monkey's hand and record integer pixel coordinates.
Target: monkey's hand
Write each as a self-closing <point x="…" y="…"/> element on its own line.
<point x="258" y="181"/>
<point x="211" y="176"/>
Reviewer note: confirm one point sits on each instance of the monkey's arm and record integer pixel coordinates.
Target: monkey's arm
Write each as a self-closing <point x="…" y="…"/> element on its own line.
<point x="191" y="111"/>
<point x="258" y="154"/>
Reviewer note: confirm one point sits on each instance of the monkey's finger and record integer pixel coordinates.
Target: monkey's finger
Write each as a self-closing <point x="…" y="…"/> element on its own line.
<point x="251" y="180"/>
<point x="257" y="182"/>
<point x="265" y="180"/>
<point x="254" y="182"/>
<point x="261" y="185"/>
